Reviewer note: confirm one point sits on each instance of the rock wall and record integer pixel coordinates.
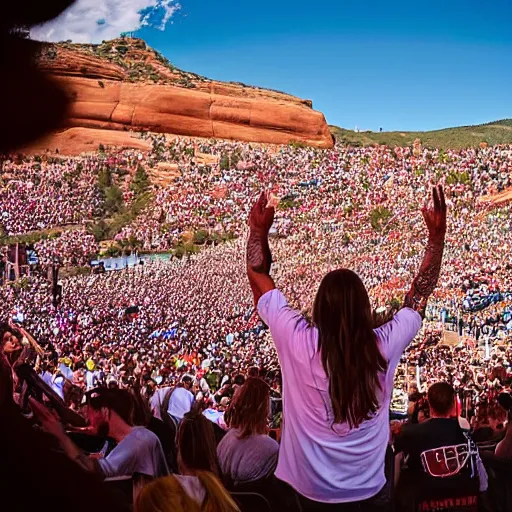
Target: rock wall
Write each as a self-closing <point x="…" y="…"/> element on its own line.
<point x="103" y="98"/>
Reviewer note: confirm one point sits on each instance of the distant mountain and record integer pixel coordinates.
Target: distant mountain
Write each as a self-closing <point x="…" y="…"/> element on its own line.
<point x="496" y="132"/>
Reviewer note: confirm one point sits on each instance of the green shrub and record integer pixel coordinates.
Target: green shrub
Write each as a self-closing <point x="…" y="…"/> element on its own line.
<point x="140" y="182"/>
<point x="200" y="237"/>
<point x="395" y="303"/>
<point x="297" y="144"/>
<point x="454" y="178"/>
<point x="288" y="203"/>
<point x="99" y="230"/>
<point x="105" y="178"/>
<point x="114" y="201"/>
<point x="379" y="217"/>
<point x="224" y="162"/>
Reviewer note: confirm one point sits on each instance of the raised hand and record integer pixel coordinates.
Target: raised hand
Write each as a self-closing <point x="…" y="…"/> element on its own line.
<point x="428" y="275"/>
<point x="48" y="420"/>
<point x="261" y="217"/>
<point x="259" y="257"/>
<point x="435" y="217"/>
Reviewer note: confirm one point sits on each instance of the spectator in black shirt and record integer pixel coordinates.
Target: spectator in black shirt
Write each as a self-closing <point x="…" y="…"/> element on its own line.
<point x="441" y="430"/>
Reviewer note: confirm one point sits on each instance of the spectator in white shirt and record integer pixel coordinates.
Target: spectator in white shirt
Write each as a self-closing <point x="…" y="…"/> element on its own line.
<point x="338" y="371"/>
<point x="110" y="412"/>
<point x="181" y="400"/>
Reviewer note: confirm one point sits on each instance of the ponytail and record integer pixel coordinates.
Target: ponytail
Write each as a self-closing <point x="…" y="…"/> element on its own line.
<point x="217" y="498"/>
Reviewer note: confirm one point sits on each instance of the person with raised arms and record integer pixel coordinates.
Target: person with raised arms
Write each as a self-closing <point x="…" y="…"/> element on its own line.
<point x="338" y="370"/>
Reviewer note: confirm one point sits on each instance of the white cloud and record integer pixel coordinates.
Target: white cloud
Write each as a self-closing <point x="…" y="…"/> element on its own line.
<point x="91" y="21"/>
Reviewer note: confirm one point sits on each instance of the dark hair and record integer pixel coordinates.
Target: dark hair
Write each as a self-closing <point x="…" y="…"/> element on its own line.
<point x="239" y="380"/>
<point x="118" y="400"/>
<point x="421" y="405"/>
<point x="5" y="327"/>
<point x="254" y="371"/>
<point x="348" y="346"/>
<point x="197" y="448"/>
<point x="249" y="409"/>
<point x="441" y="398"/>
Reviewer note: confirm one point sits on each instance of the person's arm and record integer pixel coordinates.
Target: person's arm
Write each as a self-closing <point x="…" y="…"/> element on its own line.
<point x="259" y="257"/>
<point x="53" y="426"/>
<point x="428" y="275"/>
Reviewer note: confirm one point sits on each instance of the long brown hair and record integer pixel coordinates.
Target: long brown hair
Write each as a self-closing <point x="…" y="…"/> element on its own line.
<point x="348" y="346"/>
<point x="249" y="409"/>
<point x="197" y="448"/>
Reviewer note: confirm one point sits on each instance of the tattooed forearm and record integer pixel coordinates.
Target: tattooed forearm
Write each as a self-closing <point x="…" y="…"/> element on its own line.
<point x="259" y="257"/>
<point x="426" y="280"/>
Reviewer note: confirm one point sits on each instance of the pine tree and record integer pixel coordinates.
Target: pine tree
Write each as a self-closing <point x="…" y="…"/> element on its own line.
<point x="140" y="182"/>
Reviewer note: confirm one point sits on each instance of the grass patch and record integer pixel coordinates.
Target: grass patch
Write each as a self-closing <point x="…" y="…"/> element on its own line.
<point x="497" y="132"/>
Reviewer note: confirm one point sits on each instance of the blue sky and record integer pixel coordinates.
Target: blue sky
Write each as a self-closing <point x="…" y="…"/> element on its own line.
<point x="400" y="65"/>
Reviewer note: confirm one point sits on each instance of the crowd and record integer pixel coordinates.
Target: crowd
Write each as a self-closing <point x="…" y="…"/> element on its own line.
<point x="39" y="194"/>
<point x="158" y="323"/>
<point x="71" y="248"/>
<point x="352" y="207"/>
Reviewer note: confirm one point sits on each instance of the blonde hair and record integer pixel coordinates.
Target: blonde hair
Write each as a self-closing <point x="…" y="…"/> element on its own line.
<point x="217" y="498"/>
<point x="167" y="495"/>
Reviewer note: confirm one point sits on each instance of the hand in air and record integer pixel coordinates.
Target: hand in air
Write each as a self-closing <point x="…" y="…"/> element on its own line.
<point x="262" y="214"/>
<point x="48" y="420"/>
<point x="435" y="217"/>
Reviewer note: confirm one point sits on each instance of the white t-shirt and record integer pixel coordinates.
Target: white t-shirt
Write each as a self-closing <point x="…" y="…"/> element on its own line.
<point x="156" y="402"/>
<point x="322" y="461"/>
<point x="139" y="452"/>
<point x="180" y="403"/>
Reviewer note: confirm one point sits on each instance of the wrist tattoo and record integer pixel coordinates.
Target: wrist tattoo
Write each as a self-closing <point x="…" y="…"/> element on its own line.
<point x="259" y="257"/>
<point x="426" y="280"/>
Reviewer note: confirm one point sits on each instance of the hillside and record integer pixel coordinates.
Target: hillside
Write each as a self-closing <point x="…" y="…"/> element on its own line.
<point x="497" y="132"/>
<point x="125" y="85"/>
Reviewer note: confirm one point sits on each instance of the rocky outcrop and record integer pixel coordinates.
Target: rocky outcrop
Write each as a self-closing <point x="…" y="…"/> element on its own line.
<point x="114" y="94"/>
<point x="74" y="141"/>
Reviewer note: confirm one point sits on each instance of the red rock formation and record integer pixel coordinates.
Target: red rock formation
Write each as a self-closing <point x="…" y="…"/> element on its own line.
<point x="74" y="141"/>
<point x="106" y="96"/>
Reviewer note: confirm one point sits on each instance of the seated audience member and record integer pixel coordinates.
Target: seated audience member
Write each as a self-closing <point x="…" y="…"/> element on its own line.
<point x="238" y="382"/>
<point x="197" y="457"/>
<point x="429" y="470"/>
<point x="504" y="448"/>
<point x="489" y="424"/>
<point x="169" y="495"/>
<point x="216" y="414"/>
<point x="110" y="413"/>
<point x="165" y="495"/>
<point x="246" y="453"/>
<point x="181" y="399"/>
<point x="33" y="472"/>
<point x="165" y="431"/>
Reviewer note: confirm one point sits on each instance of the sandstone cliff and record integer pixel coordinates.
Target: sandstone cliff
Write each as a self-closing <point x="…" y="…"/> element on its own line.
<point x="125" y="85"/>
